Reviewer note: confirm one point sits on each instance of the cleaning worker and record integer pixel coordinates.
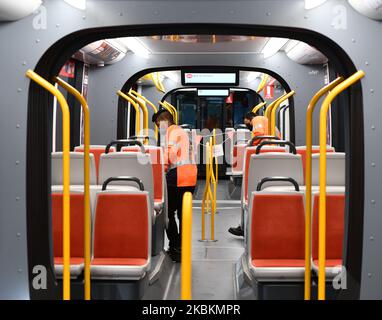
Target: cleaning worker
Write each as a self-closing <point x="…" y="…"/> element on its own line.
<point x="259" y="127"/>
<point x="181" y="174"/>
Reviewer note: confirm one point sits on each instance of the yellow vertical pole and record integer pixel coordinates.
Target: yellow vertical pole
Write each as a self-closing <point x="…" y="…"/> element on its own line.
<point x="145" y="114"/>
<point x="66" y="175"/>
<point x="268" y="110"/>
<point x="274" y="110"/>
<point x="322" y="203"/>
<point x="155" y="109"/>
<point x="186" y="256"/>
<point x="213" y="200"/>
<point x="308" y="183"/>
<point x="87" y="214"/>
<point x="137" y="111"/>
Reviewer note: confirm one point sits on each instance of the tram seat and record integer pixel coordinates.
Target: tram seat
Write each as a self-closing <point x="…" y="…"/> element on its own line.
<point x="335" y="168"/>
<point x="335" y="220"/>
<point x="249" y="151"/>
<point x="238" y="159"/>
<point x="128" y="164"/>
<point x="156" y="156"/>
<point x="276" y="236"/>
<point x="301" y="150"/>
<point x="96" y="150"/>
<point x="229" y="134"/>
<point x="76" y="169"/>
<point x="272" y="164"/>
<point x="121" y="235"/>
<point x="76" y="233"/>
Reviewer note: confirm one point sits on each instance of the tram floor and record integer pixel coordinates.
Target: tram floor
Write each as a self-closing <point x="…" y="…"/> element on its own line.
<point x="213" y="263"/>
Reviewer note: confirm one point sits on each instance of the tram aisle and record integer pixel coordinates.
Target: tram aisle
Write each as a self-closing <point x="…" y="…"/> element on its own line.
<point x="213" y="263"/>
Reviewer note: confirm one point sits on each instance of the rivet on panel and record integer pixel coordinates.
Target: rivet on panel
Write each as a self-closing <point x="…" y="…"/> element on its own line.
<point x="17" y="198"/>
<point x="37" y="40"/>
<point x="19" y="270"/>
<point x="353" y="40"/>
<point x="372" y="201"/>
<point x="373" y="164"/>
<point x="19" y="89"/>
<point x="57" y="25"/>
<point x="17" y="126"/>
<point x="369" y="275"/>
<point x="156" y="13"/>
<point x="367" y="63"/>
<point x="17" y="162"/>
<point x="24" y="63"/>
<point x="18" y="234"/>
<point x="371" y="238"/>
<point x="83" y="17"/>
<point x="121" y="14"/>
<point x="371" y="90"/>
<point x="306" y="17"/>
<point x="372" y="127"/>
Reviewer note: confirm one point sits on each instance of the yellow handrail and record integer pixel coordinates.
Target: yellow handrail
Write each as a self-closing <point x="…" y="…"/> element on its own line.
<point x="137" y="112"/>
<point x="145" y="115"/>
<point x="274" y="110"/>
<point x="322" y="203"/>
<point x="155" y="109"/>
<point x="174" y="110"/>
<point x="268" y="110"/>
<point x="186" y="255"/>
<point x="158" y="84"/>
<point x="258" y="107"/>
<point x="308" y="182"/>
<point x="262" y="83"/>
<point x="66" y="175"/>
<point x="168" y="109"/>
<point x="87" y="214"/>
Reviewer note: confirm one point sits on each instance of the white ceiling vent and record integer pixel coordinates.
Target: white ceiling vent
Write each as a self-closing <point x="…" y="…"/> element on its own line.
<point x="303" y="53"/>
<point x="369" y="8"/>
<point x="11" y="10"/>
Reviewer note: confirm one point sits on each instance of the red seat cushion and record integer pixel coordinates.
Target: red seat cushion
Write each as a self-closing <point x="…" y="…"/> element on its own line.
<point x="121" y="228"/>
<point x="335" y="213"/>
<point x="119" y="261"/>
<point x="278" y="263"/>
<point x="73" y="261"/>
<point x="302" y="153"/>
<point x="330" y="262"/>
<point x="76" y="225"/>
<point x="278" y="227"/>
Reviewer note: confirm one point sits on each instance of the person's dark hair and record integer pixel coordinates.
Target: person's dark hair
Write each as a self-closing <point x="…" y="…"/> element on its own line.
<point x="162" y="115"/>
<point x="249" y="115"/>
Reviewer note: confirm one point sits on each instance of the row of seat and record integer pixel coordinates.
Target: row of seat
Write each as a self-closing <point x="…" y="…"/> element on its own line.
<point x="273" y="212"/>
<point x="128" y="205"/>
<point x="276" y="234"/>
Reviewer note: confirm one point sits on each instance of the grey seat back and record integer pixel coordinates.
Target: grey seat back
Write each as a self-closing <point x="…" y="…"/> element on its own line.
<point x="274" y="164"/>
<point x="76" y="169"/>
<point x="335" y="169"/>
<point x="135" y="164"/>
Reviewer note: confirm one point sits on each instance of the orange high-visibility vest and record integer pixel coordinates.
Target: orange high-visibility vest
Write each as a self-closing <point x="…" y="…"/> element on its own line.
<point x="178" y="154"/>
<point x="260" y="128"/>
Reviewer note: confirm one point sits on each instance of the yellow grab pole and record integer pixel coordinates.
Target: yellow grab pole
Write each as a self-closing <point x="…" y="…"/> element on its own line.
<point x="213" y="197"/>
<point x="66" y="175"/>
<point x="274" y="110"/>
<point x="174" y="110"/>
<point x="137" y="112"/>
<point x="308" y="183"/>
<point x="186" y="255"/>
<point x="268" y="110"/>
<point x="145" y="114"/>
<point x="322" y="203"/>
<point x="168" y="109"/>
<point x="258" y="107"/>
<point x="262" y="83"/>
<point x="87" y="214"/>
<point x="155" y="109"/>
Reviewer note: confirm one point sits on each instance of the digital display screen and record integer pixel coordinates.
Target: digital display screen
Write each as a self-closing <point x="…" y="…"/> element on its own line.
<point x="213" y="92"/>
<point x="212" y="78"/>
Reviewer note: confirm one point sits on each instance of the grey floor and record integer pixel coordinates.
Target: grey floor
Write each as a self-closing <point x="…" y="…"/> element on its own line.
<point x="213" y="262"/>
